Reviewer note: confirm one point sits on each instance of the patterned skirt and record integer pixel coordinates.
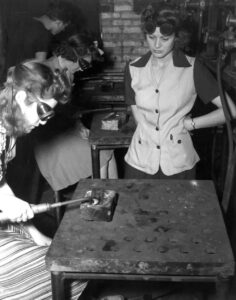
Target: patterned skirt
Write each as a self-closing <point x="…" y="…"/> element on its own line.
<point x="23" y="274"/>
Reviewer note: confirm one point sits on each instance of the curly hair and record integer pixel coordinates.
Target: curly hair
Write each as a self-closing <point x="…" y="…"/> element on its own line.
<point x="74" y="47"/>
<point x="37" y="80"/>
<point x="168" y="18"/>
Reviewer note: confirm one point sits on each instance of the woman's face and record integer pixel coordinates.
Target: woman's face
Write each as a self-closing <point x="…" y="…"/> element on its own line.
<point x="30" y="114"/>
<point x="160" y="45"/>
<point x="71" y="66"/>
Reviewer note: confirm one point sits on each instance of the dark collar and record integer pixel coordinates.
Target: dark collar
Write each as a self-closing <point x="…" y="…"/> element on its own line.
<point x="179" y="60"/>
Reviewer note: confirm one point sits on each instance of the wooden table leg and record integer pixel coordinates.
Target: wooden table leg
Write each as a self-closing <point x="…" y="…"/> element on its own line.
<point x="95" y="161"/>
<point x="58" y="292"/>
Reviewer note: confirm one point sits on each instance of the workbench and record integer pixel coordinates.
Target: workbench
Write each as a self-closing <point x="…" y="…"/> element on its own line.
<point x="162" y="230"/>
<point x="100" y="139"/>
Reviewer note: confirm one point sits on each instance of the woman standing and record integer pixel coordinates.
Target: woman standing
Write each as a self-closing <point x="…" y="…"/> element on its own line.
<point x="27" y="100"/>
<point x="161" y="88"/>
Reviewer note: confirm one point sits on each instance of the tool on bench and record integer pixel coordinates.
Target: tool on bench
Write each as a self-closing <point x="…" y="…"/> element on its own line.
<point x="44" y="207"/>
<point x="103" y="200"/>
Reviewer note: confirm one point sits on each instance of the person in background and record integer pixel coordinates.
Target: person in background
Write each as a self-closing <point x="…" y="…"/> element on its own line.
<point x="27" y="100"/>
<point x="60" y="21"/>
<point x="68" y="20"/>
<point x="79" y="55"/>
<point x="65" y="138"/>
<point x="161" y="87"/>
<point x="72" y="55"/>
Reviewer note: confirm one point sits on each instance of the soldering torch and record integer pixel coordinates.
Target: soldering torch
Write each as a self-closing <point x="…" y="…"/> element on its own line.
<point x="44" y="207"/>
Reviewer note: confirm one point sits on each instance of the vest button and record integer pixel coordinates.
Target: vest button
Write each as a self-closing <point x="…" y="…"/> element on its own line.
<point x="156" y="111"/>
<point x="156" y="90"/>
<point x="179" y="141"/>
<point x="158" y="147"/>
<point x="157" y="128"/>
<point x="139" y="141"/>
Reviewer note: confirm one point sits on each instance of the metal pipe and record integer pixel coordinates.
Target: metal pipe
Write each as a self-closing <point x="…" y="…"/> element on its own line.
<point x="231" y="20"/>
<point x="230" y="164"/>
<point x="44" y="207"/>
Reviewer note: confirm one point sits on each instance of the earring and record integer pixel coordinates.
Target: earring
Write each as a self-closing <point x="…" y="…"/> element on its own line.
<point x="20" y="96"/>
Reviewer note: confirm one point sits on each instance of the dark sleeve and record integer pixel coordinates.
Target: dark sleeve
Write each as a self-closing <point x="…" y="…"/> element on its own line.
<point x="64" y="35"/>
<point x="41" y="39"/>
<point x="205" y="83"/>
<point x="129" y="92"/>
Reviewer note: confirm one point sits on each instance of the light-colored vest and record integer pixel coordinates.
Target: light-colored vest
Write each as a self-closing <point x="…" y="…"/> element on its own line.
<point x="161" y="140"/>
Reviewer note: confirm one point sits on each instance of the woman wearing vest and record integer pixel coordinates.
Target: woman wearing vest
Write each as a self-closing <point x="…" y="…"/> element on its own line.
<point x="27" y="100"/>
<point x="161" y="87"/>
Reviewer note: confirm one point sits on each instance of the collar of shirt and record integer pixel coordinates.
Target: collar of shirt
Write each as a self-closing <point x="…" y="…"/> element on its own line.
<point x="179" y="60"/>
<point x="53" y="63"/>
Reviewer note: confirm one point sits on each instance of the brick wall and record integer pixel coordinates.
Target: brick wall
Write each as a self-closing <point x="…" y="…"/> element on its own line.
<point x="121" y="33"/>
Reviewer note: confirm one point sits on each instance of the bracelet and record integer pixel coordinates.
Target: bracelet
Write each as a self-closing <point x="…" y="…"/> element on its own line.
<point x="193" y="124"/>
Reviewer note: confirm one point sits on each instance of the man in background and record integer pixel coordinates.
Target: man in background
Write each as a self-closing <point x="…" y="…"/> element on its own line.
<point x="59" y="22"/>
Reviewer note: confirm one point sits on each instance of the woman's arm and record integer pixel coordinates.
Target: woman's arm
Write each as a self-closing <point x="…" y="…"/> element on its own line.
<point x="13" y="208"/>
<point x="213" y="118"/>
<point x="41" y="56"/>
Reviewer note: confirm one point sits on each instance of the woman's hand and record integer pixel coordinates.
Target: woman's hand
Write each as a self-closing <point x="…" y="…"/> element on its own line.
<point x="84" y="133"/>
<point x="15" y="209"/>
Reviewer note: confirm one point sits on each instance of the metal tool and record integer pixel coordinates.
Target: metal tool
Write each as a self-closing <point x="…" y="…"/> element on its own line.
<point x="44" y="207"/>
<point x="82" y="111"/>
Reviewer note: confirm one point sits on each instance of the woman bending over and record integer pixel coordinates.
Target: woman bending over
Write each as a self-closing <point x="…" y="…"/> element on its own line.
<point x="65" y="139"/>
<point x="27" y="100"/>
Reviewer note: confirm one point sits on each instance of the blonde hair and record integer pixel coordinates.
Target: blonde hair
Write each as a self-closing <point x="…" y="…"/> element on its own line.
<point x="37" y="80"/>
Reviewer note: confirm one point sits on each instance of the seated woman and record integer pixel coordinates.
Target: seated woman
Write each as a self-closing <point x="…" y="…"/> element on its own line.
<point x="27" y="100"/>
<point x="62" y="150"/>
